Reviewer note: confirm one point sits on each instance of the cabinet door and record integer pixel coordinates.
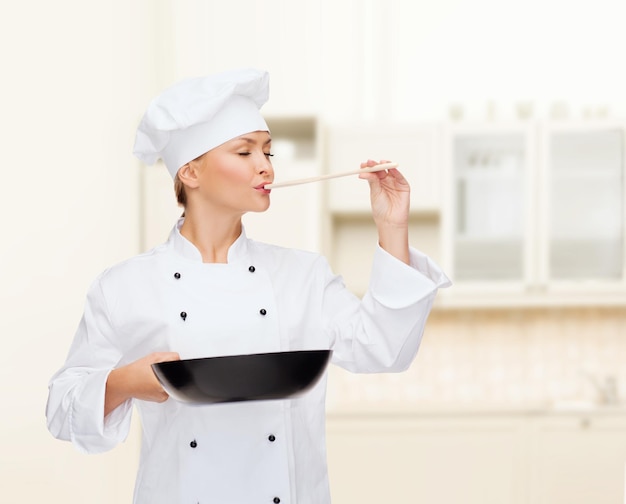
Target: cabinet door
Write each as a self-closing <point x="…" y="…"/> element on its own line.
<point x="431" y="460"/>
<point x="584" y="204"/>
<point x="488" y="211"/>
<point x="578" y="460"/>
<point x="415" y="148"/>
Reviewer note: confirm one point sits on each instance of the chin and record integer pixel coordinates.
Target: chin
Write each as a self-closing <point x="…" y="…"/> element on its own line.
<point x="262" y="208"/>
<point x="257" y="209"/>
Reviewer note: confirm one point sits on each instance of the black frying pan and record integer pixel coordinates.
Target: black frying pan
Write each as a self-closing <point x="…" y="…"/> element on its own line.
<point x="278" y="375"/>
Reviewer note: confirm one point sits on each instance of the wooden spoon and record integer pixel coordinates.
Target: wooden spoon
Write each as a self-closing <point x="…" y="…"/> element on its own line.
<point x="369" y="169"/>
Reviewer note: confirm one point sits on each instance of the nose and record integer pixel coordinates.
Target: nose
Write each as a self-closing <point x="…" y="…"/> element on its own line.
<point x="264" y="166"/>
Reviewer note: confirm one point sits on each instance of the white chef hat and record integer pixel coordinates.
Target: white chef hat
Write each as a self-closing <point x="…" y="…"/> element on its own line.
<point x="196" y="115"/>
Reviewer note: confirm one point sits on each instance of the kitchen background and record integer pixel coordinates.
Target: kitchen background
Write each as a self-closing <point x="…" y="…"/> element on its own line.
<point x="508" y="118"/>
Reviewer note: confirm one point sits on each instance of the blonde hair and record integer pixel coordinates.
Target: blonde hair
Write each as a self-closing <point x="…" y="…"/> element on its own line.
<point x="179" y="189"/>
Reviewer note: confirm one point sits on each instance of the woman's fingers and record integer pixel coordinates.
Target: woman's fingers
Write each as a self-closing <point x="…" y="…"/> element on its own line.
<point x="163" y="357"/>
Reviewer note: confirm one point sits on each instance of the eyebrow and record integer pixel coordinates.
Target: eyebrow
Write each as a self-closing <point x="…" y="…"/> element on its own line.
<point x="252" y="141"/>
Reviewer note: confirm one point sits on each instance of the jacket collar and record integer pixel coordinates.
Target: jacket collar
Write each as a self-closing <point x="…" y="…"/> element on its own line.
<point x="237" y="253"/>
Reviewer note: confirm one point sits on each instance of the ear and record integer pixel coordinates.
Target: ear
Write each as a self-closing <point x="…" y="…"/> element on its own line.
<point x="188" y="175"/>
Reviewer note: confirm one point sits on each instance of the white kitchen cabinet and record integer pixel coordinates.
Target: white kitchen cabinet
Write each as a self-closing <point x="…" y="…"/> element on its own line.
<point x="416" y="148"/>
<point x="473" y="457"/>
<point x="412" y="459"/>
<point x="577" y="460"/>
<point x="534" y="213"/>
<point x="582" y="223"/>
<point x="488" y="217"/>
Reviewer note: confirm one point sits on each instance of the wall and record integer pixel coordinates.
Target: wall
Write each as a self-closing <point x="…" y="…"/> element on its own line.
<point x="501" y="359"/>
<point x="408" y="60"/>
<point x="77" y="76"/>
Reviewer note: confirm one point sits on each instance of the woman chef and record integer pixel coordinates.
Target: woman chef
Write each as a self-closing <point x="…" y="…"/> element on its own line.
<point x="210" y="291"/>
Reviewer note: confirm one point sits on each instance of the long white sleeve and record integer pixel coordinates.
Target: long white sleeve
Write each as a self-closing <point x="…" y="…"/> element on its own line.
<point x="75" y="408"/>
<point x="383" y="331"/>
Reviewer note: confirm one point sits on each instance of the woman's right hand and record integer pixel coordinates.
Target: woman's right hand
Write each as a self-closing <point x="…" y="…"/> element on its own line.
<point x="136" y="381"/>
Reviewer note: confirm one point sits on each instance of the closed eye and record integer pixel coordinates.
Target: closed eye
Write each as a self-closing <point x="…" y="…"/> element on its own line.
<point x="266" y="154"/>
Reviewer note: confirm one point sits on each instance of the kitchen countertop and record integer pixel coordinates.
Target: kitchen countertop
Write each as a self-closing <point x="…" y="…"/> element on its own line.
<point x="451" y="410"/>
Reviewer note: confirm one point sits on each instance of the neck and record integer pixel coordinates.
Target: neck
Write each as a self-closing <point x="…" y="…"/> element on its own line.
<point x="211" y="236"/>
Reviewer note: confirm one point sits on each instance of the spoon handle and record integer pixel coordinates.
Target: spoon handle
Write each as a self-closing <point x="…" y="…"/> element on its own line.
<point x="370" y="169"/>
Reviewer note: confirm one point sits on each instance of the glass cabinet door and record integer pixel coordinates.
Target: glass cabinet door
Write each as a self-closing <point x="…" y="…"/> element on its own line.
<point x="585" y="214"/>
<point x="489" y="174"/>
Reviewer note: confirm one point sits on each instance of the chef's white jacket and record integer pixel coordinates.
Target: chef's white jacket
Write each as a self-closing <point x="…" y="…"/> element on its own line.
<point x="260" y="452"/>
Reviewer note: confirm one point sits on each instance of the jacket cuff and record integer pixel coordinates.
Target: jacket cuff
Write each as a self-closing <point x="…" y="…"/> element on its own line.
<point x="397" y="285"/>
<point x="90" y="432"/>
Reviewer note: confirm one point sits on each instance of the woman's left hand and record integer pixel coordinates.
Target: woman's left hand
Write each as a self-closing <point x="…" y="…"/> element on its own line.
<point x="390" y="198"/>
<point x="389" y="195"/>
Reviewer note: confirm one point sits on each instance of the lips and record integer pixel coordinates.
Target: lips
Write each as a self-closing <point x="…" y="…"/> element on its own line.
<point x="261" y="188"/>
